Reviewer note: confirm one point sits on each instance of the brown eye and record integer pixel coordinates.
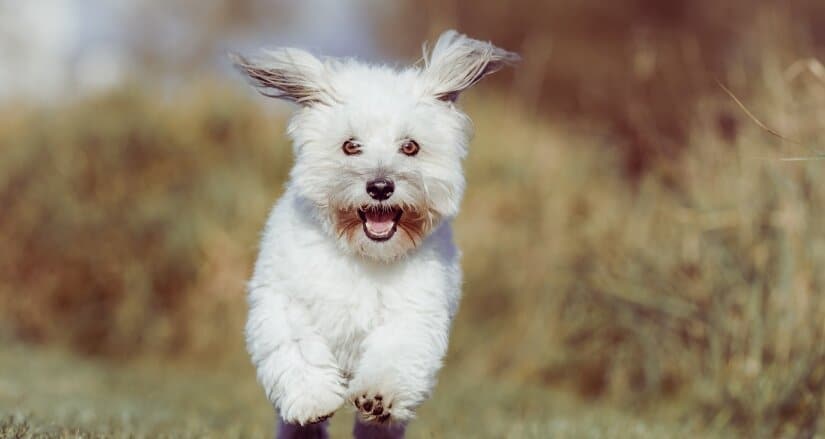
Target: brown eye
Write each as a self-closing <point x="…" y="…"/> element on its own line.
<point x="410" y="147"/>
<point x="351" y="148"/>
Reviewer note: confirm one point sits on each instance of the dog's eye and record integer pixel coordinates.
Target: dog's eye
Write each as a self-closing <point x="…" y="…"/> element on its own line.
<point x="351" y="148"/>
<point x="410" y="147"/>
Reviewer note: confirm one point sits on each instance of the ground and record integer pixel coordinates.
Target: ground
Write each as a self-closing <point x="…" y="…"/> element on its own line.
<point x="51" y="393"/>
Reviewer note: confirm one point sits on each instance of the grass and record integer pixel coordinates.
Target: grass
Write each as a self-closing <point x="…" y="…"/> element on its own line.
<point x="684" y="301"/>
<point x="57" y="394"/>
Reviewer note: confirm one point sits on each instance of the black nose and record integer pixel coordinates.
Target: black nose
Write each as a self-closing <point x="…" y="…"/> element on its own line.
<point x="380" y="188"/>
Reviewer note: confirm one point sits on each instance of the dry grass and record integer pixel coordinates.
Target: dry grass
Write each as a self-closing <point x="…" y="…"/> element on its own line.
<point x="131" y="220"/>
<point x="129" y="216"/>
<point x="639" y="67"/>
<point x="703" y="279"/>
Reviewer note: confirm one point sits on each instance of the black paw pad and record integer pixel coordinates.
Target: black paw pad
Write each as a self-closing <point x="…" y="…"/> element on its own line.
<point x="372" y="408"/>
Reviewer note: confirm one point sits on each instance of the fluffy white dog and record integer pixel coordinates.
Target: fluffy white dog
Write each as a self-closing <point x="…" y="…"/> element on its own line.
<point x="358" y="277"/>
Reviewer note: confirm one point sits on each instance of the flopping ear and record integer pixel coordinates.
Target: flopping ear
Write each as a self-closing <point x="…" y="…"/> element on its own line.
<point x="290" y="74"/>
<point x="457" y="62"/>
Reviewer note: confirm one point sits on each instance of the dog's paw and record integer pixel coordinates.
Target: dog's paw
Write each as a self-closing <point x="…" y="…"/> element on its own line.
<point x="381" y="408"/>
<point x="372" y="408"/>
<point x="320" y="418"/>
<point x="311" y="404"/>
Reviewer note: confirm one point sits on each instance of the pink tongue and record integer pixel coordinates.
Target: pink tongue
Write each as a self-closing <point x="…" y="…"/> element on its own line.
<point x="380" y="223"/>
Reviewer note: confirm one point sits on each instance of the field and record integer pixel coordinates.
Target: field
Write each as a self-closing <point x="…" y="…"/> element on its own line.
<point x="89" y="399"/>
<point x="685" y="301"/>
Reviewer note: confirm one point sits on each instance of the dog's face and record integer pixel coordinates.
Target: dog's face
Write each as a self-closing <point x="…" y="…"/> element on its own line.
<point x="378" y="150"/>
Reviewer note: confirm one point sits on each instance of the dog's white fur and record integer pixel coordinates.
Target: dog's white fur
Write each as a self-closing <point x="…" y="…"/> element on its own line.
<point x="334" y="315"/>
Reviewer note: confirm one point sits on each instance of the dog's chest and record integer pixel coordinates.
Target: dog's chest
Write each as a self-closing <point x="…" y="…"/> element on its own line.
<point x="345" y="307"/>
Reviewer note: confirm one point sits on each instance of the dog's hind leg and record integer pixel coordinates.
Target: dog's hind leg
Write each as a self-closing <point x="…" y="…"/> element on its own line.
<point x="317" y="430"/>
<point x="364" y="430"/>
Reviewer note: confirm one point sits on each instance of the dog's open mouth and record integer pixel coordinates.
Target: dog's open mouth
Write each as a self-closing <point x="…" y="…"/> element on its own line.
<point x="380" y="222"/>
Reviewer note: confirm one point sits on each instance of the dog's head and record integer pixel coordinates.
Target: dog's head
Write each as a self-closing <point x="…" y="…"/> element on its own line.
<point x="379" y="150"/>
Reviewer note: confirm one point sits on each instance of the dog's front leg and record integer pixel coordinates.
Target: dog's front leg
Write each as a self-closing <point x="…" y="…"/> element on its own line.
<point x="398" y="368"/>
<point x="294" y="363"/>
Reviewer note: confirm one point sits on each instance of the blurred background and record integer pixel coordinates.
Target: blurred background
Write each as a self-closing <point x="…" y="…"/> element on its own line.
<point x="644" y="230"/>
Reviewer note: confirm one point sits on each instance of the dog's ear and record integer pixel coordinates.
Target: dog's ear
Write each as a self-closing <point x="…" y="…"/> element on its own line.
<point x="290" y="74"/>
<point x="457" y="62"/>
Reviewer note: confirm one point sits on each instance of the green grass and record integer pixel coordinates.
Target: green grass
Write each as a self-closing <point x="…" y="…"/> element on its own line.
<point x="57" y="394"/>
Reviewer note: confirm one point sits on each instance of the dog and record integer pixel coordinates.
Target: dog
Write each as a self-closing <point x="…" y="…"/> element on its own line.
<point x="358" y="278"/>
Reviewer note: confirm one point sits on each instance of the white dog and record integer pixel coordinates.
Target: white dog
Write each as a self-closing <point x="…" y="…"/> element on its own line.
<point x="358" y="277"/>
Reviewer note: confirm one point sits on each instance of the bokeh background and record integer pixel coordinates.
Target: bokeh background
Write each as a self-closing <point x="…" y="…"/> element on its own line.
<point x="644" y="230"/>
